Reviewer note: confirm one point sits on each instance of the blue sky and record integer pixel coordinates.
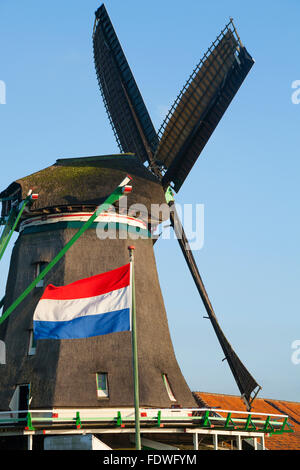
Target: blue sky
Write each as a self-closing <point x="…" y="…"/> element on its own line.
<point x="247" y="176"/>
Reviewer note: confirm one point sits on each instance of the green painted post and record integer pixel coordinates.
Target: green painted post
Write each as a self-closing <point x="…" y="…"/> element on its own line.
<point x="284" y="424"/>
<point x="229" y="422"/>
<point x="135" y="355"/>
<point x="29" y="426"/>
<point x="268" y="426"/>
<point x="206" y="421"/>
<point x="159" y="418"/>
<point x="119" y="419"/>
<point x="78" y="420"/>
<point x="118" y="192"/>
<point x="250" y="423"/>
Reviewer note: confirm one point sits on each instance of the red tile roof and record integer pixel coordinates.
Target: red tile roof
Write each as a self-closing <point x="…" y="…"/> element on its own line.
<point x="290" y="441"/>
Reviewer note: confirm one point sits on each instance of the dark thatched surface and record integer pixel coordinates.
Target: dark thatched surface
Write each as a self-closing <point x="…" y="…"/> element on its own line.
<point x="21" y="368"/>
<point x="62" y="373"/>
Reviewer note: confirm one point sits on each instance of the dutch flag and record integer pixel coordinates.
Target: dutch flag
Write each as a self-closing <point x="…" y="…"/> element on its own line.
<point x="95" y="306"/>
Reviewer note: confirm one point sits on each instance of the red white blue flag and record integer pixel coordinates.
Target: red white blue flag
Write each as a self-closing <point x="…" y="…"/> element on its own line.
<point x="95" y="306"/>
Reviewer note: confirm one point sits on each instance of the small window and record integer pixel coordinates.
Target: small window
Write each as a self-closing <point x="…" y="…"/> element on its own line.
<point x="168" y="388"/>
<point x="24" y="396"/>
<point x="2" y="352"/>
<point x="102" y="385"/>
<point x="32" y="344"/>
<point x="38" y="269"/>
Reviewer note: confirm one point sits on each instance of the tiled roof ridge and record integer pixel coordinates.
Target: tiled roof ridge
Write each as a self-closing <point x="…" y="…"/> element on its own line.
<point x="283" y="401"/>
<point x="276" y="407"/>
<point x="287" y="405"/>
<point x="220" y="394"/>
<point x="258" y="398"/>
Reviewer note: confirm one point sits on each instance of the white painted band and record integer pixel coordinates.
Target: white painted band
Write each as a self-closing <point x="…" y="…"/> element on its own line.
<point x="82" y="217"/>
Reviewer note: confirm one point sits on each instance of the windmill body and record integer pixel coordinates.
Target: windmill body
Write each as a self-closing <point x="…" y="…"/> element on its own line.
<point x="63" y="373"/>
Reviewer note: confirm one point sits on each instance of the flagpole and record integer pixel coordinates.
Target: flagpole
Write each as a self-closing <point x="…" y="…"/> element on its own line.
<point x="134" y="354"/>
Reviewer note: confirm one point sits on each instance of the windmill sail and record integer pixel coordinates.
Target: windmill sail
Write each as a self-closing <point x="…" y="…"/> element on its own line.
<point x="220" y="77"/>
<point x="200" y="106"/>
<point x="123" y="101"/>
<point x="245" y="382"/>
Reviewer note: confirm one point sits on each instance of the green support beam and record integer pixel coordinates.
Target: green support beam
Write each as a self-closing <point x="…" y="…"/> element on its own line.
<point x="11" y="224"/>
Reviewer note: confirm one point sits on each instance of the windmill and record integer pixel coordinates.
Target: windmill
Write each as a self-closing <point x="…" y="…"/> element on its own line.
<point x="171" y="153"/>
<point x="96" y="372"/>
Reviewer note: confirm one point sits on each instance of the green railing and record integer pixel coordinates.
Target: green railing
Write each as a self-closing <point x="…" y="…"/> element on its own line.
<point x="210" y="419"/>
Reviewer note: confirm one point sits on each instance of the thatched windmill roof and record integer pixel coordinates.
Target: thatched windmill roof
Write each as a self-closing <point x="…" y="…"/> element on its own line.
<point x="76" y="182"/>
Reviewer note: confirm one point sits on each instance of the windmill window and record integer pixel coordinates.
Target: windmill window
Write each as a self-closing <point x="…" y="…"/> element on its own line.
<point x="102" y="385"/>
<point x="24" y="397"/>
<point x="32" y="344"/>
<point x="38" y="269"/>
<point x="2" y="353"/>
<point x="168" y="388"/>
<point x="20" y="400"/>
